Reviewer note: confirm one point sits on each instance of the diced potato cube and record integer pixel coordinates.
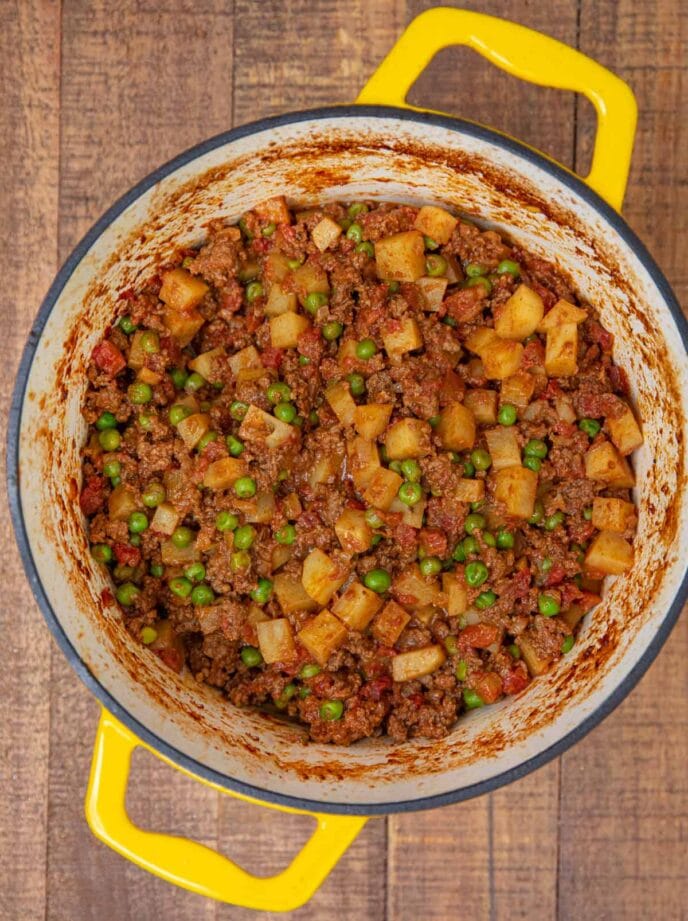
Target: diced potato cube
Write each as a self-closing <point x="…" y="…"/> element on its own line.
<point x="346" y="354"/>
<point x="536" y="663"/>
<point x="121" y="503"/>
<point x="343" y="405"/>
<point x="371" y="420"/>
<point x="483" y="405"/>
<point x="250" y="374"/>
<point x="364" y="461"/>
<point x="322" y="636"/>
<point x="456" y="428"/>
<point x="279" y="301"/>
<point x="516" y="488"/>
<point x="435" y="223"/>
<point x="326" y="468"/>
<point x="280" y="555"/>
<point x="182" y="325"/>
<point x="406" y="666"/>
<point x="258" y="424"/>
<point x="400" y="257"/>
<point x="245" y="358"/>
<point x="401" y="336"/>
<point x="193" y="428"/>
<point x="204" y="364"/>
<point x="470" y="490"/>
<point x="412" y="588"/>
<point x="562" y="314"/>
<point x="382" y="488"/>
<point x="310" y="278"/>
<point x="353" y="532"/>
<point x="390" y="624"/>
<point x="165" y="519"/>
<point x="520" y="315"/>
<point x="325" y="233"/>
<point x="433" y="291"/>
<point x="505" y="451"/>
<point x="480" y="340"/>
<point x="454" y="273"/>
<point x="518" y="389"/>
<point x="613" y="514"/>
<point x="137" y="355"/>
<point x="322" y="576"/>
<point x="286" y="329"/>
<point x="427" y="613"/>
<point x="273" y="210"/>
<point x="291" y="595"/>
<point x="172" y="555"/>
<point x="625" y="432"/>
<point x="604" y="463"/>
<point x="276" y="640"/>
<point x="275" y="268"/>
<point x="149" y="377"/>
<point x="454" y="587"/>
<point x="181" y="290"/>
<point x="258" y="510"/>
<point x="256" y="615"/>
<point x="502" y="359"/>
<point x="411" y="515"/>
<point x="609" y="553"/>
<point x="357" y="606"/>
<point x="291" y="505"/>
<point x="561" y="351"/>
<point x="408" y="438"/>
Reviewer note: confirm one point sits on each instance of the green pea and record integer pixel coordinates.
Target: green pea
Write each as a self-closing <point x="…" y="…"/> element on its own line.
<point x="470" y="545"/>
<point x="127" y="593"/>
<point x="507" y="414"/>
<point x="548" y="605"/>
<point x="546" y="564"/>
<point x="476" y="573"/>
<point x="150" y="342"/>
<point x="238" y="410"/>
<point x="451" y="645"/>
<point x="429" y="243"/>
<point x="304" y="693"/>
<point x="395" y="466"/>
<point x="331" y="710"/>
<point x="139" y="393"/>
<point x="553" y="521"/>
<point x="285" y="412"/>
<point x="226" y="521"/>
<point x="461" y="670"/>
<point x="587" y="513"/>
<point x="567" y="645"/>
<point x="148" y="635"/>
<point x="234" y="446"/>
<point x="538" y="513"/>
<point x="472" y="699"/>
<point x="509" y="267"/>
<point x="138" y="522"/>
<point x="474" y="270"/>
<point x="109" y="440"/>
<point x="434" y="421"/>
<point x="245" y="487"/>
<point x="536" y="448"/>
<point x="250" y="656"/>
<point x="101" y="552"/>
<point x="532" y="463"/>
<point x="122" y="573"/>
<point x="478" y="280"/>
<point x="179" y="378"/>
<point x="314" y="301"/>
<point x="377" y="580"/>
<point x="261" y="593"/>
<point x="474" y="523"/>
<point x="435" y="265"/>
<point x="332" y="331"/>
<point x="591" y="427"/>
<point x="180" y="586"/>
<point x="515" y="651"/>
<point x="146" y="422"/>
<point x="393" y="287"/>
<point x="356" y="208"/>
<point x="449" y="321"/>
<point x="365" y="349"/>
<point x="112" y="468"/>
<point x="286" y="535"/>
<point x="254" y="290"/>
<point x="489" y="539"/>
<point x="177" y="413"/>
<point x="430" y="566"/>
<point x="294" y="263"/>
<point x="244" y="537"/>
<point x="410" y="470"/>
<point x="372" y="518"/>
<point x="116" y="480"/>
<point x="195" y="572"/>
<point x="313" y="417"/>
<point x="485" y="600"/>
<point x="410" y="493"/>
<point x="202" y="595"/>
<point x="468" y="469"/>
<point x="505" y="539"/>
<point x="194" y="382"/>
<point x="367" y="248"/>
<point x="182" y="537"/>
<point x="481" y="459"/>
<point x="239" y="561"/>
<point x="310" y="670"/>
<point x="269" y="229"/>
<point x="356" y="384"/>
<point x="157" y="570"/>
<point x="278" y="392"/>
<point x="127" y="325"/>
<point x="135" y="540"/>
<point x="355" y="233"/>
<point x="153" y="495"/>
<point x="106" y="421"/>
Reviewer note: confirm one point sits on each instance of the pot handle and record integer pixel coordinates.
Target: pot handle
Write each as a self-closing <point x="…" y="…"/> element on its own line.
<point x="194" y="866"/>
<point x="530" y="56"/>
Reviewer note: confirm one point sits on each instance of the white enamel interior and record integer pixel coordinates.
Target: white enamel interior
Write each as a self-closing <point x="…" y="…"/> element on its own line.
<point x="381" y="158"/>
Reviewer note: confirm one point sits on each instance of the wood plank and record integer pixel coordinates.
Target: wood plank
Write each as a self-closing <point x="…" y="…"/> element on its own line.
<point x="624" y="794"/>
<point x="29" y="144"/>
<point x="137" y="88"/>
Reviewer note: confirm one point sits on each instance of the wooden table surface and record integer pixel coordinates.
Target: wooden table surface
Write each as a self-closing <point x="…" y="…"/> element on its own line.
<point x="94" y="96"/>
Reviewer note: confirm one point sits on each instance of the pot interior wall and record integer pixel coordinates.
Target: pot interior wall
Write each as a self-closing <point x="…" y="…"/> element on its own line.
<point x="316" y="159"/>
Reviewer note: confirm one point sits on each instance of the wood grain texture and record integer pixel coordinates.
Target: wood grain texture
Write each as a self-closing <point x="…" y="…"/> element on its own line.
<point x="87" y="112"/>
<point x="29" y="75"/>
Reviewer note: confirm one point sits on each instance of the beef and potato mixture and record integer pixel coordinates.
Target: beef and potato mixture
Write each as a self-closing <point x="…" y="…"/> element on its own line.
<point x="365" y="465"/>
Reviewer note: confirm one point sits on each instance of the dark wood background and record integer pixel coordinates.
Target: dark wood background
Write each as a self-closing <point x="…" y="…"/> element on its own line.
<point x="94" y="95"/>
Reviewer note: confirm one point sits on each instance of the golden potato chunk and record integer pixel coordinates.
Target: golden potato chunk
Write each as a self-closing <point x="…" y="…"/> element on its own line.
<point x="435" y="223"/>
<point x="604" y="463"/>
<point x="625" y="432"/>
<point x="245" y="359"/>
<point x="322" y="576"/>
<point x="258" y="424"/>
<point x="505" y="451"/>
<point x="537" y="664"/>
<point x="326" y="233"/>
<point x="382" y="488"/>
<point x="408" y="438"/>
<point x="518" y="389"/>
<point x="322" y="636"/>
<point x="193" y="428"/>
<point x="182" y="325"/>
<point x="181" y="290"/>
<point x="412" y="588"/>
<point x="516" y="488"/>
<point x="456" y="427"/>
<point x="609" y="553"/>
<point x="279" y="301"/>
<point x="433" y="291"/>
<point x="390" y="623"/>
<point x="561" y="314"/>
<point x="342" y="403"/>
<point x="204" y="364"/>
<point x="310" y="278"/>
<point x="291" y="594"/>
<point x="469" y="490"/>
<point x="561" y="351"/>
<point x="325" y="469"/>
<point x="401" y="336"/>
<point x="223" y="473"/>
<point x="480" y="340"/>
<point x="412" y="515"/>
<point x="371" y="420"/>
<point x="276" y="640"/>
<point x="286" y="329"/>
<point x="364" y="461"/>
<point x="501" y="359"/>
<point x="165" y="519"/>
<point x="121" y="503"/>
<point x="613" y="514"/>
<point x="273" y="210"/>
<point x="417" y="662"/>
<point x="400" y="257"/>
<point x="454" y="587"/>
<point x="353" y="531"/>
<point x="483" y="405"/>
<point x="357" y="606"/>
<point x="520" y="315"/>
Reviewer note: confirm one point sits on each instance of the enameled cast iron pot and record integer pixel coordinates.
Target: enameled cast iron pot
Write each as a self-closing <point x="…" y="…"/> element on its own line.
<point x="376" y="149"/>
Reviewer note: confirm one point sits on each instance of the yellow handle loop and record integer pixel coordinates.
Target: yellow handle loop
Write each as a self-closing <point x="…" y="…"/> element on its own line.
<point x="192" y="865"/>
<point x="531" y="56"/>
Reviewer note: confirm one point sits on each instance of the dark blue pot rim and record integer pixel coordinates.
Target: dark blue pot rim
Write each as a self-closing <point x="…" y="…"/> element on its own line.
<point x="109" y="702"/>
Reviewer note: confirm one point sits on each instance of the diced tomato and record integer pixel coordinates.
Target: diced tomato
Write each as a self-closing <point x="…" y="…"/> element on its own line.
<point x="171" y="657"/>
<point x="556" y="575"/>
<point x="488" y="685"/>
<point x="126" y="555"/>
<point x="393" y="326"/>
<point x="549" y="298"/>
<point x="479" y="636"/>
<point x="416" y="699"/>
<point x="406" y="537"/>
<point x="601" y="336"/>
<point x="92" y="495"/>
<point x="127" y="295"/>
<point x="404" y="597"/>
<point x="232" y="297"/>
<point x="108" y="358"/>
<point x="618" y="379"/>
<point x="356" y="503"/>
<point x="260" y="245"/>
<point x="452" y="388"/>
<point x="552" y="390"/>
<point x="465" y="305"/>
<point x="565" y="429"/>
<point x="272" y="357"/>
<point x="107" y="597"/>
<point x="311" y="344"/>
<point x="434" y="542"/>
<point x="533" y="355"/>
<point x="374" y="689"/>
<point x="516" y="680"/>
<point x="588" y="600"/>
